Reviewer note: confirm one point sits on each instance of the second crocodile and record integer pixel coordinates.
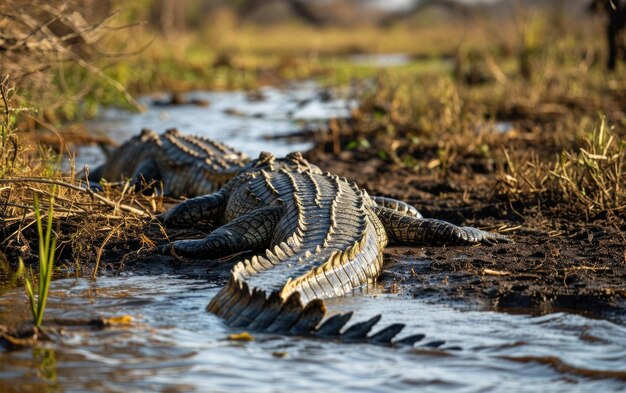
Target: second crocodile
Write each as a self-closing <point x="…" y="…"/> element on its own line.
<point x="179" y="164"/>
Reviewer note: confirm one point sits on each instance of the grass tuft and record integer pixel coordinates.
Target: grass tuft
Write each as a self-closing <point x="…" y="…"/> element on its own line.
<point x="592" y="177"/>
<point x="47" y="250"/>
<point x="585" y="183"/>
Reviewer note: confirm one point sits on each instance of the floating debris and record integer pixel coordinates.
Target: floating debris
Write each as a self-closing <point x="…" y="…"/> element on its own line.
<point x="243" y="336"/>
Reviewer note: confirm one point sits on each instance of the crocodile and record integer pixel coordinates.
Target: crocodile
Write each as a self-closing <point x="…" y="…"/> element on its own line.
<point x="184" y="165"/>
<point x="313" y="236"/>
<point x="180" y="164"/>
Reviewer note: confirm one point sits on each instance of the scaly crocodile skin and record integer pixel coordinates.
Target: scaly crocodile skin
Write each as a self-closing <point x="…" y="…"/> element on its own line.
<point x="315" y="236"/>
<point x="185" y="165"/>
<point x="182" y="164"/>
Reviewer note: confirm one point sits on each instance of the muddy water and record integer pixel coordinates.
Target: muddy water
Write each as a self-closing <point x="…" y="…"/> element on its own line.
<point x="173" y="345"/>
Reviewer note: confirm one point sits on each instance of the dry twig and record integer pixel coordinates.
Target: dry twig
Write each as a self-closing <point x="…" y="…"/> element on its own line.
<point x="87" y="191"/>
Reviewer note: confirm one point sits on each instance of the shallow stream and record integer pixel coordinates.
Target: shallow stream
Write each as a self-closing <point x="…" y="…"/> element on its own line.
<point x="174" y="345"/>
<point x="271" y="119"/>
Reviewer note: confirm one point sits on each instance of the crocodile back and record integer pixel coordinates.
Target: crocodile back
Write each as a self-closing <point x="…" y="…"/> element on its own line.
<point x="127" y="157"/>
<point x="182" y="150"/>
<point x="187" y="165"/>
<point x="327" y="243"/>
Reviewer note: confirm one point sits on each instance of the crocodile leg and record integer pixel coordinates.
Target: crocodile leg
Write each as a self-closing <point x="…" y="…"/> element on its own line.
<point x="251" y="231"/>
<point x="189" y="212"/>
<point x="146" y="172"/>
<point x="404" y="229"/>
<point x="397" y="205"/>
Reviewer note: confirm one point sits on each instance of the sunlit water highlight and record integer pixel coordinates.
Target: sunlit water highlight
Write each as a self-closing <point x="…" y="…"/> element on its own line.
<point x="250" y="125"/>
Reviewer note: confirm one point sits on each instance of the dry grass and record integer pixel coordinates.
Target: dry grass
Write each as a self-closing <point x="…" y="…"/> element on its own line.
<point x="84" y="219"/>
<point x="511" y="112"/>
<point x="85" y="223"/>
<point x="587" y="182"/>
<point x="40" y="42"/>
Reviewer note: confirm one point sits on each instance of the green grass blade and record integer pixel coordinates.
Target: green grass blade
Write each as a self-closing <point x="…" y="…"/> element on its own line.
<point x="47" y="251"/>
<point x="49" y="228"/>
<point x="46" y="284"/>
<point x="31" y="297"/>
<point x="29" y="291"/>
<point x="40" y="233"/>
<point x="18" y="274"/>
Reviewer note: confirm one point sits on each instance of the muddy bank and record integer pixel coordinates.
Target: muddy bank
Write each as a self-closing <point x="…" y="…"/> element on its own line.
<point x="555" y="263"/>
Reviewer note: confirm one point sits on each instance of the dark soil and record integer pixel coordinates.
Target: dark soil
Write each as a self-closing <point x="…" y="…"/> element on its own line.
<point x="555" y="263"/>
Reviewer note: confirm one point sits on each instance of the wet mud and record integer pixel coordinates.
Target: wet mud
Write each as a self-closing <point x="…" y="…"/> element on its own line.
<point x="555" y="263"/>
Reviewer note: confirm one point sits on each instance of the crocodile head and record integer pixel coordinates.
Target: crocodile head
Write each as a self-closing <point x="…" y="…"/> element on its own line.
<point x="292" y="161"/>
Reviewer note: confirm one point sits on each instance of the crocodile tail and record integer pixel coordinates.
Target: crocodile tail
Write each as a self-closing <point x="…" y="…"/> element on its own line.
<point x="254" y="310"/>
<point x="297" y="308"/>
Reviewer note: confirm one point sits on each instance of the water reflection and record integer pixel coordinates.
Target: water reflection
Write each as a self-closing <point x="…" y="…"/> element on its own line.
<point x="45" y="364"/>
<point x="174" y="344"/>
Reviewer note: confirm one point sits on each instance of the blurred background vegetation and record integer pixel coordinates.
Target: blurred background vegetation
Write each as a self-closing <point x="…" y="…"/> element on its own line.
<point x="70" y="57"/>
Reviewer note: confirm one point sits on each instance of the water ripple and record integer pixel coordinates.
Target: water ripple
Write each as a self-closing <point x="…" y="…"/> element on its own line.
<point x="175" y="345"/>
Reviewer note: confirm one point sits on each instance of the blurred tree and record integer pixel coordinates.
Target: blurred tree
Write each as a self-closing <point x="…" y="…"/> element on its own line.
<point x="616" y="11"/>
<point x="171" y="16"/>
